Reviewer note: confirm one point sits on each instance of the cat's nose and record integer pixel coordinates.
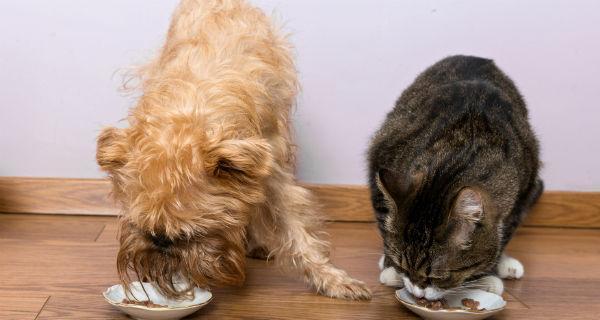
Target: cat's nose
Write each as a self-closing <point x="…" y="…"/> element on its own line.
<point x="414" y="289"/>
<point x="418" y="292"/>
<point x="433" y="293"/>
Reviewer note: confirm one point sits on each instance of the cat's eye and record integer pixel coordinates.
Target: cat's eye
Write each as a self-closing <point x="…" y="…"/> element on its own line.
<point x="402" y="269"/>
<point x="404" y="261"/>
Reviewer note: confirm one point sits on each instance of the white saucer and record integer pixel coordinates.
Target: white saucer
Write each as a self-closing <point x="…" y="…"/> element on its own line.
<point x="492" y="303"/>
<point x="175" y="309"/>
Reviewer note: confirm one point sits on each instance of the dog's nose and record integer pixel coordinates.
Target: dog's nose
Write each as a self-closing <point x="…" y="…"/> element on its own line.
<point x="160" y="240"/>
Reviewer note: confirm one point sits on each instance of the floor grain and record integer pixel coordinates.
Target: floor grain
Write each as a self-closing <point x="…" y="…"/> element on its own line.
<point x="21" y="305"/>
<point x="55" y="267"/>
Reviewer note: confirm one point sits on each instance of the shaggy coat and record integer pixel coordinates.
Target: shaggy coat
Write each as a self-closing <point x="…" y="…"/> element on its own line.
<point x="204" y="171"/>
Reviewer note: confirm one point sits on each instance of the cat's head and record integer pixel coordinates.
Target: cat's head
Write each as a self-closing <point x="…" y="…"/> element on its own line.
<point x="438" y="235"/>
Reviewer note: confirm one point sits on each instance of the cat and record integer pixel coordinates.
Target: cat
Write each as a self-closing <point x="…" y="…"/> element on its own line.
<point x="452" y="172"/>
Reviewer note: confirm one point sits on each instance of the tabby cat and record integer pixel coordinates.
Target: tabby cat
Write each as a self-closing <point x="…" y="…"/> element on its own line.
<point x="452" y="172"/>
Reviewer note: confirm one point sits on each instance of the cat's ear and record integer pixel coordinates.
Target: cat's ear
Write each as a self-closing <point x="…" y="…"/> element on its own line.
<point x="467" y="212"/>
<point x="396" y="186"/>
<point x="385" y="182"/>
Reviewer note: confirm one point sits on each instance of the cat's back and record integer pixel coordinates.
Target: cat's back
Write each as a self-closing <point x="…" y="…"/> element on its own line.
<point x="458" y="101"/>
<point x="460" y="76"/>
<point x="457" y="68"/>
<point x="457" y="87"/>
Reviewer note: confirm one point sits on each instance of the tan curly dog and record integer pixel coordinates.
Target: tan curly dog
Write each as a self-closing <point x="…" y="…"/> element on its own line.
<point x="204" y="171"/>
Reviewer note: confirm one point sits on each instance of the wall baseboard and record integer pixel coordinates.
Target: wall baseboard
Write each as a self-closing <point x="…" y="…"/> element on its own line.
<point x="339" y="202"/>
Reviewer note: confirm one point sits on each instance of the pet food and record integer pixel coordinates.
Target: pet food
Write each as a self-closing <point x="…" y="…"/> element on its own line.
<point x="471" y="304"/>
<point x="146" y="303"/>
<point x="433" y="305"/>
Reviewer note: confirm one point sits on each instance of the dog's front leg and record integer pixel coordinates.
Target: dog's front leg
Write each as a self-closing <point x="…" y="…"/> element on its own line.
<point x="292" y="238"/>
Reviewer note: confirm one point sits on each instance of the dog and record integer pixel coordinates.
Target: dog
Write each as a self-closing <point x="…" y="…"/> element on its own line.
<point x="204" y="173"/>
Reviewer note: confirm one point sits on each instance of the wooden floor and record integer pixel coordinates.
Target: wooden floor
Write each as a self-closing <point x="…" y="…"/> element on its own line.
<point x="55" y="267"/>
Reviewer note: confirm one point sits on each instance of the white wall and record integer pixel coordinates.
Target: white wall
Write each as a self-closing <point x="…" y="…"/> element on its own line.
<point x="58" y="86"/>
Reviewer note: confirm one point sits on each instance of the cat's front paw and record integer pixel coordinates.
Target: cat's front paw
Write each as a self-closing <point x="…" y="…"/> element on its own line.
<point x="510" y="268"/>
<point x="491" y="284"/>
<point x="380" y="263"/>
<point x="390" y="277"/>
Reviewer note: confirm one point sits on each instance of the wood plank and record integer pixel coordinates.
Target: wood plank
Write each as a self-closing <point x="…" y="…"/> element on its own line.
<point x="89" y="306"/>
<point x="344" y="202"/>
<point x="551" y="240"/>
<point x="74" y="273"/>
<point x="513" y="303"/>
<point x="339" y="202"/>
<point x="55" y="196"/>
<point x="551" y="299"/>
<point x="20" y="305"/>
<point x="566" y="209"/>
<point x="46" y="227"/>
<point x="554" y="209"/>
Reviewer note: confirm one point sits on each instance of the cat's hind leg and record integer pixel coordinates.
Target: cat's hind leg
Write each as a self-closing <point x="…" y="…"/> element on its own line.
<point x="509" y="267"/>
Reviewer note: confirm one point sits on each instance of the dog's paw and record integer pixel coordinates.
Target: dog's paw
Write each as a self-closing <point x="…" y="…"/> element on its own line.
<point x="510" y="268"/>
<point x="390" y="277"/>
<point x="337" y="283"/>
<point x="380" y="263"/>
<point x="350" y="289"/>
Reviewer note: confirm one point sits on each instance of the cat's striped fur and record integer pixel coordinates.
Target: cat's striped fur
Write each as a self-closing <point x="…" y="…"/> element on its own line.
<point x="452" y="171"/>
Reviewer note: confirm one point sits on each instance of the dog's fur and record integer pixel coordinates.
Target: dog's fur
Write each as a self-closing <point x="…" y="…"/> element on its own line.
<point x="204" y="172"/>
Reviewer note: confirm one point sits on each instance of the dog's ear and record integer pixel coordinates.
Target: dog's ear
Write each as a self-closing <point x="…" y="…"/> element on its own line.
<point x="248" y="157"/>
<point x="111" y="150"/>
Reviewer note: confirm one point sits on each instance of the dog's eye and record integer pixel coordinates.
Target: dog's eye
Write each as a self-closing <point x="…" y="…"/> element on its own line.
<point x="224" y="166"/>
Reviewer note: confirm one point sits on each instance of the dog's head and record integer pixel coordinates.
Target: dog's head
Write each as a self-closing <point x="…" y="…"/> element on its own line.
<point x="185" y="198"/>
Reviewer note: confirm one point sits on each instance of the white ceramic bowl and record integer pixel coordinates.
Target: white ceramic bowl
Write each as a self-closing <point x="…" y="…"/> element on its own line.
<point x="492" y="303"/>
<point x="174" y="310"/>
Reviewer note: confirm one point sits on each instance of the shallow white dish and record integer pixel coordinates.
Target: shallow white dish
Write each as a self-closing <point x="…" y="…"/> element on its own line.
<point x="492" y="303"/>
<point x="176" y="309"/>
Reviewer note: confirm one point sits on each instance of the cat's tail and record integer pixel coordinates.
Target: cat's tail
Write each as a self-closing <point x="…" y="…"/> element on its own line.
<point x="538" y="189"/>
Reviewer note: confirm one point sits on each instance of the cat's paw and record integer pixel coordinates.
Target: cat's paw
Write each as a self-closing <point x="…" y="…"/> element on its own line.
<point x="510" y="268"/>
<point x="491" y="284"/>
<point x="390" y="277"/>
